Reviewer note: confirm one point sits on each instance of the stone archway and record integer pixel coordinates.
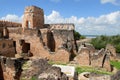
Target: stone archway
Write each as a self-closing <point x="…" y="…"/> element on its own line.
<point x="28" y="24"/>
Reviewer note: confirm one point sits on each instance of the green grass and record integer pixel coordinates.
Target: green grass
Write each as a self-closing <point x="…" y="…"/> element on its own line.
<point x="80" y="69"/>
<point x="58" y="63"/>
<point x="91" y="69"/>
<point x="33" y="78"/>
<point x="116" y="64"/>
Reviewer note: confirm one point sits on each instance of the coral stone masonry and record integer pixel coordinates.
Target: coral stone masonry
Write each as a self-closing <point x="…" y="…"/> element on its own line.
<point x="53" y="42"/>
<point x="33" y="17"/>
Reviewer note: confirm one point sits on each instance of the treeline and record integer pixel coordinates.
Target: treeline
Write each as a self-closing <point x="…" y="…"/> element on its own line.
<point x="78" y="36"/>
<point x="101" y="42"/>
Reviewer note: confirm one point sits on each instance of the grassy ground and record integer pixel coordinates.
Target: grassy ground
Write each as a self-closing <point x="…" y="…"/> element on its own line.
<point x="58" y="63"/>
<point x="115" y="64"/>
<point x="81" y="69"/>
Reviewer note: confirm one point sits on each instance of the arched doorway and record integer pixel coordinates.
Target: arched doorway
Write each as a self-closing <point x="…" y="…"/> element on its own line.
<point x="28" y="24"/>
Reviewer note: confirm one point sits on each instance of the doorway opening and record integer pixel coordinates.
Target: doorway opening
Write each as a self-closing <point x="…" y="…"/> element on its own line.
<point x="28" y="24"/>
<point x="26" y="47"/>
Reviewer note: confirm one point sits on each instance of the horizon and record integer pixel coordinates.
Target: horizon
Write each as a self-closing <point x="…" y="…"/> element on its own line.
<point x="99" y="17"/>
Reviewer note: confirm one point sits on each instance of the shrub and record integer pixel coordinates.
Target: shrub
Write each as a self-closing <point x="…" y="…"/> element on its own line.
<point x="116" y="64"/>
<point x="78" y="35"/>
<point x="101" y="42"/>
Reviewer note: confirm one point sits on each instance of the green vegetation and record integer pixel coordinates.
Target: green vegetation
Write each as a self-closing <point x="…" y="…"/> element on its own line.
<point x="101" y="42"/>
<point x="91" y="69"/>
<point x="116" y="64"/>
<point x="26" y="65"/>
<point x="58" y="63"/>
<point x="33" y="78"/>
<point x="80" y="69"/>
<point x="78" y="35"/>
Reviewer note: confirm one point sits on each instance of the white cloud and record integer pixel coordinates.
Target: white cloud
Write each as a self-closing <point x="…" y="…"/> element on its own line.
<point x="12" y="17"/>
<point x="108" y="24"/>
<point x="115" y="2"/>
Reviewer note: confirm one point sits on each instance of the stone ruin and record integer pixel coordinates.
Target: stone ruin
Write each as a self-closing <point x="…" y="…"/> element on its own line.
<point x="54" y="42"/>
<point x="50" y="41"/>
<point x="27" y="69"/>
<point x="33" y="38"/>
<point x="88" y="56"/>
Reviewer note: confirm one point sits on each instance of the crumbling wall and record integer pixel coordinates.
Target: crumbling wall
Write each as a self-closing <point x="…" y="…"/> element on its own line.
<point x="9" y="24"/>
<point x="11" y="68"/>
<point x="61" y="55"/>
<point x="63" y="38"/>
<point x="83" y="57"/>
<point x="111" y="51"/>
<point x="87" y="56"/>
<point x="40" y="45"/>
<point x="33" y="17"/>
<point x="1" y="72"/>
<point x="29" y="36"/>
<point x="97" y="58"/>
<point x="1" y="32"/>
<point x="7" y="48"/>
<point x="61" y="26"/>
<point x="27" y="69"/>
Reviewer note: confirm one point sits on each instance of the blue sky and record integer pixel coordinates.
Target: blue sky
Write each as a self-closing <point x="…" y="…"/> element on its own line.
<point x="89" y="16"/>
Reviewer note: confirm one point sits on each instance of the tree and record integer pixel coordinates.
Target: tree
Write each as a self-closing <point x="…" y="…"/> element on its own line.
<point x="78" y="35"/>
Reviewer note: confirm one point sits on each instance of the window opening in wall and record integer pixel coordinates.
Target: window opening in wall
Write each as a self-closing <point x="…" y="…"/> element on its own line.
<point x="3" y="45"/>
<point x="26" y="47"/>
<point x="28" y="24"/>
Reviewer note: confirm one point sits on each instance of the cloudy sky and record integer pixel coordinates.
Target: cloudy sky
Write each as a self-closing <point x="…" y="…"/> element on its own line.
<point x="91" y="17"/>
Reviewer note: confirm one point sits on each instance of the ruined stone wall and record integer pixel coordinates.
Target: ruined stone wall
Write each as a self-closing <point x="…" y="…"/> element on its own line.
<point x="9" y="24"/>
<point x="1" y="32"/>
<point x="7" y="48"/>
<point x="38" y="41"/>
<point x="62" y="26"/>
<point x="62" y="55"/>
<point x="62" y="38"/>
<point x="31" y="37"/>
<point x="101" y="59"/>
<point x="26" y="69"/>
<point x="43" y="36"/>
<point x="83" y="57"/>
<point x="33" y="17"/>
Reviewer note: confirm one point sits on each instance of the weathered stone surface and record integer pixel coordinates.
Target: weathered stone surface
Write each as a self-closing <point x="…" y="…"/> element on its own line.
<point x="11" y="68"/>
<point x="99" y="59"/>
<point x="84" y="76"/>
<point x="7" y="48"/>
<point x="33" y="17"/>
<point x="9" y="24"/>
<point x="68" y="70"/>
<point x="94" y="76"/>
<point x="62" y="55"/>
<point x="111" y="51"/>
<point x="41" y="39"/>
<point x="116" y="76"/>
<point x="19" y="69"/>
<point x="40" y="69"/>
<point x="83" y="58"/>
